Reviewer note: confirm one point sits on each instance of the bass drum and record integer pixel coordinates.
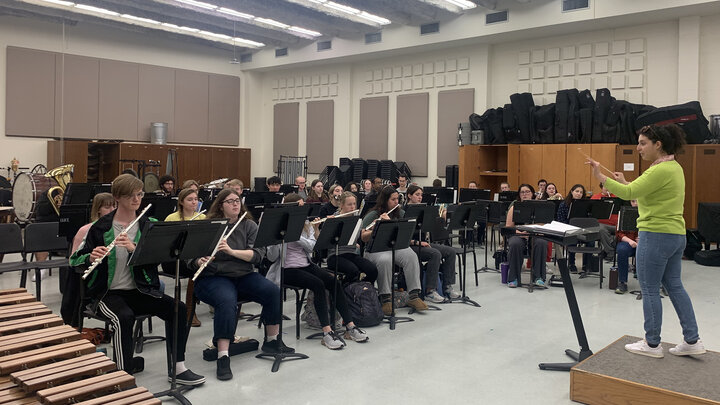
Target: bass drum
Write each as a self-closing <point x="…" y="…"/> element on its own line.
<point x="28" y="189"/>
<point x="152" y="182"/>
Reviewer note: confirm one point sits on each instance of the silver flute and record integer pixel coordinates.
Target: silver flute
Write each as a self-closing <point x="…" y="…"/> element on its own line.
<point x="224" y="238"/>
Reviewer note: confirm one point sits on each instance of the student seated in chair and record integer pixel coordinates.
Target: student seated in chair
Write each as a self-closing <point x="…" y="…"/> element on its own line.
<point x="518" y="242"/>
<point x="577" y="192"/>
<point x="626" y="247"/>
<point x="230" y="276"/>
<point x="300" y="271"/>
<point x="121" y="292"/>
<point x="438" y="257"/>
<point x="407" y="259"/>
<point x="348" y="261"/>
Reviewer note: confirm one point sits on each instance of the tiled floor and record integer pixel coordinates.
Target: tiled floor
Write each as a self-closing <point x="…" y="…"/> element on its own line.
<point x="462" y="354"/>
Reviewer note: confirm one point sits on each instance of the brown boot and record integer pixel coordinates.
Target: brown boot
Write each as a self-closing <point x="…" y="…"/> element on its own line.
<point x="417" y="304"/>
<point x="195" y="322"/>
<point x="387" y="308"/>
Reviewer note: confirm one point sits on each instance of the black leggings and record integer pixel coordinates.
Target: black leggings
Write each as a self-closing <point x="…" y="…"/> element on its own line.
<point x="317" y="280"/>
<point x="352" y="265"/>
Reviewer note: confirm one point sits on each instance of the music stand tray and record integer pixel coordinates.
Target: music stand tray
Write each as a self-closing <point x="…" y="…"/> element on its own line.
<point x="174" y="241"/>
<point x="392" y="235"/>
<point x="279" y="226"/>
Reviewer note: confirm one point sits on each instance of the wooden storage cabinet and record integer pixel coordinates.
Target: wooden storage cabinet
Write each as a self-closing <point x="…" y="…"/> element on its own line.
<point x="199" y="163"/>
<point x="488" y="166"/>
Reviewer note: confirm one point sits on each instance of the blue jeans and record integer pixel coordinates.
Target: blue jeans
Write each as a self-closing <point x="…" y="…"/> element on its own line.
<point x="659" y="260"/>
<point x="223" y="294"/>
<point x="624" y="253"/>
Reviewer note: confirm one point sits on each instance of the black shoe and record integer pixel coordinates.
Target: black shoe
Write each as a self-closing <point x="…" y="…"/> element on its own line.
<point x="583" y="274"/>
<point x="276" y="346"/>
<point x="138" y="365"/>
<point x="621" y="288"/>
<point x="572" y="269"/>
<point x="187" y="377"/>
<point x="223" y="369"/>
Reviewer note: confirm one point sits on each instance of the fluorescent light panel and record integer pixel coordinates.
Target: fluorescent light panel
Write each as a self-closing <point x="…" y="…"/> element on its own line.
<point x="198" y="4"/>
<point x="60" y="2"/>
<point x="463" y="4"/>
<point x="319" y="4"/>
<point x="141" y="19"/>
<point x="272" y="22"/>
<point x="96" y="9"/>
<point x="232" y="12"/>
<point x="304" y="31"/>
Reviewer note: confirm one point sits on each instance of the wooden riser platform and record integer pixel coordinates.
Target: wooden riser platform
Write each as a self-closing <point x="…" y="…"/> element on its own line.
<point x="615" y="376"/>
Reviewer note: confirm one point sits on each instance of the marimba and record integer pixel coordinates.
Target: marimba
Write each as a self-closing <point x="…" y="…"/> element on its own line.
<point x="43" y="361"/>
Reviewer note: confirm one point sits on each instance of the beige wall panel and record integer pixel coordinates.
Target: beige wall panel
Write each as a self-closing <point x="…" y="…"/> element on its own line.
<point x="412" y="132"/>
<point x="286" y="118"/>
<point x="224" y="110"/>
<point x="118" y="107"/>
<point x="76" y="96"/>
<point x="454" y="107"/>
<point x="156" y="100"/>
<point x="320" y="134"/>
<point x="30" y="93"/>
<point x="374" y="128"/>
<point x="191" y="107"/>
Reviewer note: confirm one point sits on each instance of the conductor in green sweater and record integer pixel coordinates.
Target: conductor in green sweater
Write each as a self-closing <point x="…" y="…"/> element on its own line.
<point x="660" y="193"/>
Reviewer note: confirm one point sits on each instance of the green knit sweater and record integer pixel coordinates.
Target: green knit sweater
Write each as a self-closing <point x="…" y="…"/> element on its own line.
<point x="660" y="192"/>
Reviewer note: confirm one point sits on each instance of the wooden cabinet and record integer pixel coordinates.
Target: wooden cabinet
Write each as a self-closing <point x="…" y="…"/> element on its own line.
<point x="486" y="165"/>
<point x="103" y="161"/>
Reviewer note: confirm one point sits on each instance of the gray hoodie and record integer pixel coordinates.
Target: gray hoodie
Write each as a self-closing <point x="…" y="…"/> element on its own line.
<point x="225" y="265"/>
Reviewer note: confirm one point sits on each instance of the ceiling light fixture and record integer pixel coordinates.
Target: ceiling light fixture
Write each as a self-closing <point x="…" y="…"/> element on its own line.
<point x="269" y="21"/>
<point x="96" y="9"/>
<point x="141" y="19"/>
<point x="341" y="7"/>
<point x="249" y="42"/>
<point x="200" y="4"/>
<point x="463" y="4"/>
<point x="60" y="2"/>
<point x="343" y="11"/>
<point x="305" y="31"/>
<point x="235" y="13"/>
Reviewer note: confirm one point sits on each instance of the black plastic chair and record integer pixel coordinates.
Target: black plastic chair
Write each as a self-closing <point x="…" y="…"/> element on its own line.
<point x="592" y="250"/>
<point x="11" y="242"/>
<point x="43" y="237"/>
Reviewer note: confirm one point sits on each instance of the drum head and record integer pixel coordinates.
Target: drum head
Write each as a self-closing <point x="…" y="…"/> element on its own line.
<point x="152" y="183"/>
<point x="23" y="196"/>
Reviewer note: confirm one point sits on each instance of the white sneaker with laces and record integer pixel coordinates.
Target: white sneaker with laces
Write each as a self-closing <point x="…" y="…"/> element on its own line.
<point x="356" y="334"/>
<point x="686" y="349"/>
<point x="642" y="347"/>
<point x="451" y="293"/>
<point x="332" y="342"/>
<point x="433" y="296"/>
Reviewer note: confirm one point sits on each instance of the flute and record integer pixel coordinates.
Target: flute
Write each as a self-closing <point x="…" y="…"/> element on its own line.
<point x="320" y="221"/>
<point x="197" y="215"/>
<point x="212" y="256"/>
<point x="112" y="244"/>
<point x="369" y="227"/>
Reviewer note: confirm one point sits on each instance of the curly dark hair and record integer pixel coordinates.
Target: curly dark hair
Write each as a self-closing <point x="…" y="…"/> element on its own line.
<point x="671" y="136"/>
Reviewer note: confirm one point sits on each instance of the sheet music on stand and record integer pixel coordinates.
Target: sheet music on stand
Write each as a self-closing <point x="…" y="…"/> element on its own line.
<point x="554" y="228"/>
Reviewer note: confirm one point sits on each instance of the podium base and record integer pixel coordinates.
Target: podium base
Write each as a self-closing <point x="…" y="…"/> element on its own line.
<point x="578" y="357"/>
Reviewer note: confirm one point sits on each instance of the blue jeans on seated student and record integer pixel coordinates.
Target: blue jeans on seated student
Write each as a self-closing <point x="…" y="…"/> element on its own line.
<point x="223" y="293"/>
<point x="624" y="253"/>
<point x="659" y="260"/>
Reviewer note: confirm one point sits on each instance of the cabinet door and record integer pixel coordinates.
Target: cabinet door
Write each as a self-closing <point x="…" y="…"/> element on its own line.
<point x="244" y="161"/>
<point x="627" y="161"/>
<point x="188" y="162"/>
<point x="605" y="154"/>
<point x="530" y="164"/>
<point x="687" y="159"/>
<point x="553" y="165"/>
<point x="577" y="172"/>
<point x="225" y="163"/>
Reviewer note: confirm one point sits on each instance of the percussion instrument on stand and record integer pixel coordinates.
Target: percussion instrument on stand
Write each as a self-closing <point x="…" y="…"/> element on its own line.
<point x="43" y="361"/>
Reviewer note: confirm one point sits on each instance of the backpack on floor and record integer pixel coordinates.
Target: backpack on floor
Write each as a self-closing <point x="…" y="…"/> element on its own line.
<point x="310" y="315"/>
<point x="708" y="257"/>
<point x="362" y="299"/>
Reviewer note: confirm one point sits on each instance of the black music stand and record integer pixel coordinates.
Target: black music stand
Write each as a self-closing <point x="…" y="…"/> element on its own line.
<point x="336" y="232"/>
<point x="281" y="225"/>
<point x="392" y="235"/>
<point x="585" y="351"/>
<point x="424" y="217"/>
<point x="532" y="212"/>
<point x="465" y="217"/>
<point x="473" y="194"/>
<point x="496" y="211"/>
<point x="174" y="241"/>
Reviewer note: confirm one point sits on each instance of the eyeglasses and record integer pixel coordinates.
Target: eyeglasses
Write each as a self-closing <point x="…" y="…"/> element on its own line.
<point x="139" y="195"/>
<point x="232" y="202"/>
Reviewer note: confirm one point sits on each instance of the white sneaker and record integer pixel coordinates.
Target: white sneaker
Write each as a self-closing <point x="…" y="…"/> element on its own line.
<point x="641" y="347"/>
<point x="686" y="349"/>
<point x="433" y="296"/>
<point x="332" y="341"/>
<point x="451" y="293"/>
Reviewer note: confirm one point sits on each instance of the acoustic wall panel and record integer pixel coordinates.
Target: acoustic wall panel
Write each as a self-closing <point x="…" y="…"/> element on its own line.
<point x="30" y="109"/>
<point x="286" y="119"/>
<point x="320" y="134"/>
<point x="118" y="108"/>
<point x="76" y="96"/>
<point x="412" y="132"/>
<point x="156" y="100"/>
<point x="374" y="128"/>
<point x="191" y="107"/>
<point x="454" y="107"/>
<point x="223" y="111"/>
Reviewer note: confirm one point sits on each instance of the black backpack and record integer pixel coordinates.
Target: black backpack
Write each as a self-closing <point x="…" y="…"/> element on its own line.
<point x="708" y="257"/>
<point x="362" y="298"/>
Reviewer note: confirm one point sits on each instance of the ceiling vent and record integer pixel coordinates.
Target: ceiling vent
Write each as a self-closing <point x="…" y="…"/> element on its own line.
<point x="324" y="45"/>
<point x="429" y="28"/>
<point x="572" y="5"/>
<point x="373" y="38"/>
<point x="494" y="18"/>
<point x="281" y="52"/>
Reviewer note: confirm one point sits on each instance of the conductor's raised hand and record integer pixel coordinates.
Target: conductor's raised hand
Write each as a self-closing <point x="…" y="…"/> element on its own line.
<point x="620" y="177"/>
<point x="595" y="168"/>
